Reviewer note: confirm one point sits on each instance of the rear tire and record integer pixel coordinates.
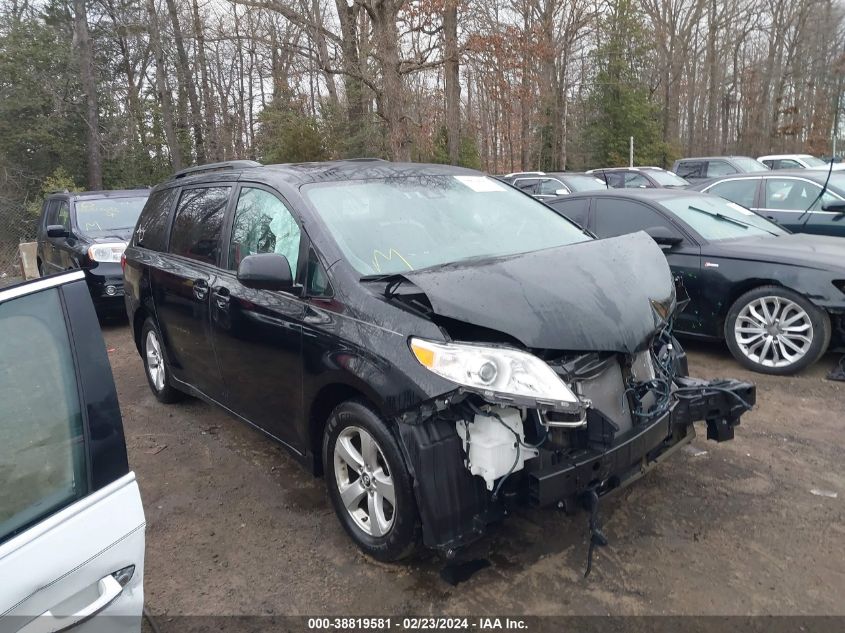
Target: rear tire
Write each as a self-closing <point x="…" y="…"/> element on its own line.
<point x="773" y="330"/>
<point x="155" y="364"/>
<point x="369" y="484"/>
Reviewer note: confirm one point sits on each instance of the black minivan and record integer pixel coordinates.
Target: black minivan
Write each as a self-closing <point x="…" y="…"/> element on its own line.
<point x="440" y="346"/>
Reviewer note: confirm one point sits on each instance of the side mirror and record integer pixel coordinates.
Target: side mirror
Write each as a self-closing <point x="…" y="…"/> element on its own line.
<point x="57" y="230"/>
<point x="266" y="271"/>
<point x="837" y="206"/>
<point x="665" y="238"/>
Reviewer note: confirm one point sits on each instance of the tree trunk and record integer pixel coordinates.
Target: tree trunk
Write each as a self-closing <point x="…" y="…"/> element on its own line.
<point x="323" y="51"/>
<point x="393" y="89"/>
<point x="452" y="80"/>
<point x="207" y="101"/>
<point x="525" y="89"/>
<point x="712" y="73"/>
<point x="356" y="94"/>
<point x="89" y="86"/>
<point x="186" y="81"/>
<point x="162" y="89"/>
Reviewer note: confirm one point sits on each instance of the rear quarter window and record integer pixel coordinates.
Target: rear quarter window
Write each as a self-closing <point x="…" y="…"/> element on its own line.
<point x="690" y="169"/>
<point x="152" y="228"/>
<point x="576" y="210"/>
<point x="198" y="223"/>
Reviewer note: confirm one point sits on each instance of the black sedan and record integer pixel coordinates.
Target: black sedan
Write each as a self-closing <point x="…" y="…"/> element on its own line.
<point x="789" y="197"/>
<point x="776" y="298"/>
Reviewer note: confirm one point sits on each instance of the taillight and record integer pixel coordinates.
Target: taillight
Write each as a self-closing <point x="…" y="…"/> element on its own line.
<point x="123" y="262"/>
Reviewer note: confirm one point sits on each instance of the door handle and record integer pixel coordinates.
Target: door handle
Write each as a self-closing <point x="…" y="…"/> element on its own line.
<point x="221" y="298"/>
<point x="200" y="289"/>
<point x="108" y="589"/>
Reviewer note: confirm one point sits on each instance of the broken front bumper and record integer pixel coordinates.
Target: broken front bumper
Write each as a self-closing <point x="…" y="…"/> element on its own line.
<point x="456" y="508"/>
<point x="604" y="466"/>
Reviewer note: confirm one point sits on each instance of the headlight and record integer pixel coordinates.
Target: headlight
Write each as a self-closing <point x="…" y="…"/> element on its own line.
<point x="493" y="370"/>
<point x="107" y="252"/>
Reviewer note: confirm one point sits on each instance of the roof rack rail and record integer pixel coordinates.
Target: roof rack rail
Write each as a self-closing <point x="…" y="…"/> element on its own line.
<point x="229" y="164"/>
<point x="362" y="159"/>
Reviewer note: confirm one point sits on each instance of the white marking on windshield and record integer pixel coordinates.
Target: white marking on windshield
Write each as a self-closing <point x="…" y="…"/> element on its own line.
<point x="480" y="184"/>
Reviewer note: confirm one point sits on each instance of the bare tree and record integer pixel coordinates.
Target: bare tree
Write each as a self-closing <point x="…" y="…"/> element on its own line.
<point x="87" y="76"/>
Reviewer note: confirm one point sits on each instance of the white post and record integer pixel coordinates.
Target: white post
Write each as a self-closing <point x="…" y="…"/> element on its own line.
<point x="631" y="153"/>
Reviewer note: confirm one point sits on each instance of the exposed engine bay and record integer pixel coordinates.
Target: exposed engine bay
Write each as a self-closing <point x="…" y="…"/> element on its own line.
<point x="632" y="411"/>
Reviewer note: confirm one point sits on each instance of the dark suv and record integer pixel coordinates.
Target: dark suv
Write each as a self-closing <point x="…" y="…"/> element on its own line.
<point x="88" y="231"/>
<point x="438" y="344"/>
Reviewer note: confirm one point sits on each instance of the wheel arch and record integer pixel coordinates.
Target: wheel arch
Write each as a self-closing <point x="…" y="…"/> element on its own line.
<point x="138" y="319"/>
<point x="324" y="402"/>
<point x="739" y="289"/>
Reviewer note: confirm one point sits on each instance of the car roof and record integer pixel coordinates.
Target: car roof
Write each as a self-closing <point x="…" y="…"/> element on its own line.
<point x="637" y="168"/>
<point x="818" y="175"/>
<point x="315" y="172"/>
<point x="114" y="193"/>
<point x="654" y="194"/>
<point x="776" y="156"/>
<point x="680" y="160"/>
<point x="520" y="174"/>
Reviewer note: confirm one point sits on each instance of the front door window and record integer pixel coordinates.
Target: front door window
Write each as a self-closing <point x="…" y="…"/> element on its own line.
<point x="263" y="224"/>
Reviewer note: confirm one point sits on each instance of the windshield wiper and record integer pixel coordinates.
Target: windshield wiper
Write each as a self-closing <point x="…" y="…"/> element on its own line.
<point x="381" y="277"/>
<point x="727" y="218"/>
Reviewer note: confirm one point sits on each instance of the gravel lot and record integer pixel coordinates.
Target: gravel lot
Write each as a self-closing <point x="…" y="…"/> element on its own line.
<point x="235" y="526"/>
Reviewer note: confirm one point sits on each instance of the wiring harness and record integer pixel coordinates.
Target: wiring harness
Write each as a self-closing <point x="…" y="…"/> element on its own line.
<point x="662" y="385"/>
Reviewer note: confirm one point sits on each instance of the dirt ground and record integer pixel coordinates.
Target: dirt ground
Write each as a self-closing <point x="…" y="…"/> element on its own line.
<point x="235" y="526"/>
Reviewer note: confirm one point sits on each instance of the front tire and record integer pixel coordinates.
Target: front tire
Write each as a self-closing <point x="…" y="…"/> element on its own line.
<point x="369" y="484"/>
<point x="155" y="364"/>
<point x="773" y="330"/>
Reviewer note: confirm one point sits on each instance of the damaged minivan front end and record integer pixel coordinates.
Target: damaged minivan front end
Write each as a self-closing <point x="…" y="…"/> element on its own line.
<point x="564" y="387"/>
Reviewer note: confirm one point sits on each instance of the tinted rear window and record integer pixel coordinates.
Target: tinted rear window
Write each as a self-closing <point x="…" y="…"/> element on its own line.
<point x="198" y="223"/>
<point x="151" y="231"/>
<point x="575" y="209"/>
<point x="690" y="169"/>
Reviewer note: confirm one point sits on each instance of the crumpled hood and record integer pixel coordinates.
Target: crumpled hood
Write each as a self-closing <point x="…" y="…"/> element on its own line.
<point x="596" y="295"/>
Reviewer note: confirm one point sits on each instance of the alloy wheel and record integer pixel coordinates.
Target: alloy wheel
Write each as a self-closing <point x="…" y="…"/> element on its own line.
<point x="155" y="362"/>
<point x="773" y="331"/>
<point x="364" y="481"/>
